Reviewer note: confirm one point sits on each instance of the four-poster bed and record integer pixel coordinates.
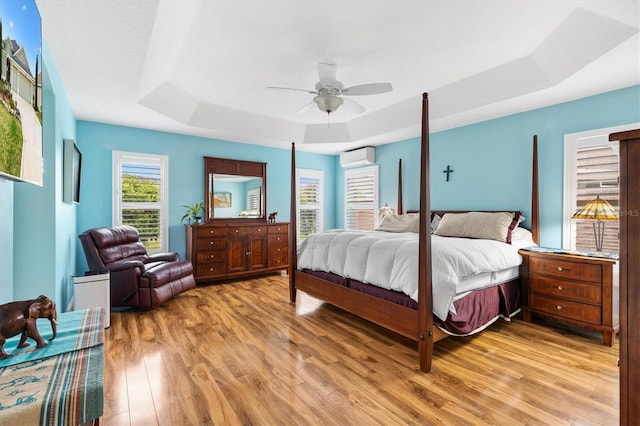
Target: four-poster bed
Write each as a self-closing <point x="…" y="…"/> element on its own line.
<point x="412" y="319"/>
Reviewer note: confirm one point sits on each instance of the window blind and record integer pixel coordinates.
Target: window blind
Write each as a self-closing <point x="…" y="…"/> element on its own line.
<point x="309" y="204"/>
<point x="361" y="199"/>
<point x="138" y="199"/>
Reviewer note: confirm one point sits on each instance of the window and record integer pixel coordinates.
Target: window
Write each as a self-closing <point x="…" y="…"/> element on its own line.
<point x="140" y="196"/>
<point x="309" y="187"/>
<point x="253" y="201"/>
<point x="591" y="170"/>
<point x="361" y="199"/>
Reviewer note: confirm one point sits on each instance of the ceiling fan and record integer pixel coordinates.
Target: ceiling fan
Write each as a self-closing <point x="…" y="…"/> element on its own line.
<point x="329" y="91"/>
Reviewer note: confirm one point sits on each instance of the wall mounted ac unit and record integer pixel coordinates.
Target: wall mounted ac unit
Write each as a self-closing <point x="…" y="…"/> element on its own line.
<point x="358" y="157"/>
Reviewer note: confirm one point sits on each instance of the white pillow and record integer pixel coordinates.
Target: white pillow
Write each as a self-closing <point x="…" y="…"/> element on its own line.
<point x="409" y="222"/>
<point x="486" y="225"/>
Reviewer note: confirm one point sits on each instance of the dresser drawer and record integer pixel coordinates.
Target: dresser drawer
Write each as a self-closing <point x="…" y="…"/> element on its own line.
<point x="276" y="251"/>
<point x="208" y="231"/>
<point x="277" y="239"/>
<point x="577" y="291"/>
<point x="278" y="260"/>
<point x="211" y="243"/>
<point x="278" y="229"/>
<point x="246" y="230"/>
<point x="566" y="309"/>
<point x="566" y="270"/>
<point x="211" y="256"/>
<point x="210" y="269"/>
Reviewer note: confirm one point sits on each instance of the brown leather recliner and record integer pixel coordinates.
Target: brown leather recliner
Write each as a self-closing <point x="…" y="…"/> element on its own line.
<point x="138" y="279"/>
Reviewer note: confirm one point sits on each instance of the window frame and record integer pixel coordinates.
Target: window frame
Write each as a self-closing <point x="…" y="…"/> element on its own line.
<point x="375" y="205"/>
<point x="313" y="174"/>
<point x="571" y="143"/>
<point x="162" y="161"/>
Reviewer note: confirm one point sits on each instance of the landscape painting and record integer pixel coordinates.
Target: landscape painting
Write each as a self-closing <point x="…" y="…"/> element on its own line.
<point x="21" y="92"/>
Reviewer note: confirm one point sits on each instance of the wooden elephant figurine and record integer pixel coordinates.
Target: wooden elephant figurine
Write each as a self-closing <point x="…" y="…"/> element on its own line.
<point x="20" y="317"/>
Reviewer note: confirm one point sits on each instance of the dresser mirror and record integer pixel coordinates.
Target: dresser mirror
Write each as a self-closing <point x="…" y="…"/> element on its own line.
<point x="234" y="189"/>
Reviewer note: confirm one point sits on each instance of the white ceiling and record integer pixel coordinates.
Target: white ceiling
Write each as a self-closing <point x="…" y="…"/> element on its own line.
<point x="202" y="67"/>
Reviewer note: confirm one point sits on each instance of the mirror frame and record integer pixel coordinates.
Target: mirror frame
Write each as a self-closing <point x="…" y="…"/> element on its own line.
<point x="226" y="166"/>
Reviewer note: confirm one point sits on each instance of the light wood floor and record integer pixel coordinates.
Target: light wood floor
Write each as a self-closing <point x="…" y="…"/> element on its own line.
<point x="240" y="353"/>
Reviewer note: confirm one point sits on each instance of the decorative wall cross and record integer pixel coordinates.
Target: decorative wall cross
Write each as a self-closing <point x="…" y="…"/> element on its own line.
<point x="448" y="171"/>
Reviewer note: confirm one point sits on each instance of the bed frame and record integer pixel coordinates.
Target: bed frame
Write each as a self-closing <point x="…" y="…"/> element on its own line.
<point x="414" y="324"/>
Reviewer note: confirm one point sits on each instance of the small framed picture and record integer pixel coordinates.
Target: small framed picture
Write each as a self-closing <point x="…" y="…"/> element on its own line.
<point x="221" y="199"/>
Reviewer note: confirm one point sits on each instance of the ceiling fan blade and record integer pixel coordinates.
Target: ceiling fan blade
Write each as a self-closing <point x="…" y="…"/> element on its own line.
<point x="327" y="74"/>
<point x="352" y="106"/>
<point x="367" y="89"/>
<point x="313" y="92"/>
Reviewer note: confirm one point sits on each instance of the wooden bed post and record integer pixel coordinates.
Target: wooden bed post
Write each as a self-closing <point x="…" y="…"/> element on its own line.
<point x="535" y="207"/>
<point x="425" y="302"/>
<point x="400" y="211"/>
<point x="293" y="235"/>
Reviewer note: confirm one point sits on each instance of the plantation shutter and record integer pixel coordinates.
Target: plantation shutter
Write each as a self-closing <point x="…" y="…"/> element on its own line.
<point x="309" y="196"/>
<point x="140" y="200"/>
<point x="361" y="199"/>
<point x="309" y="188"/>
<point x="597" y="174"/>
<point x="253" y="201"/>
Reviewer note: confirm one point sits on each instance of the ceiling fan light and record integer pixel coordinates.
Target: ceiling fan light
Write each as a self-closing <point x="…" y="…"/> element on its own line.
<point x="328" y="103"/>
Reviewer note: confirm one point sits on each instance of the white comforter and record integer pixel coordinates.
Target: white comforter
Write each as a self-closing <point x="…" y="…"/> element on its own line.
<point x="390" y="260"/>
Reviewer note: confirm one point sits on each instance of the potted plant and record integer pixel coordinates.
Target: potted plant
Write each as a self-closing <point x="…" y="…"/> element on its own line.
<point x="192" y="213"/>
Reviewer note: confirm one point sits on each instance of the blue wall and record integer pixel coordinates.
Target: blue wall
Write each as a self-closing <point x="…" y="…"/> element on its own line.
<point x="492" y="159"/>
<point x="97" y="141"/>
<point x="43" y="227"/>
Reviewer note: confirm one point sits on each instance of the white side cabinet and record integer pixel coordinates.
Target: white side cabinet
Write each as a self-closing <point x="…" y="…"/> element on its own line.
<point x="93" y="291"/>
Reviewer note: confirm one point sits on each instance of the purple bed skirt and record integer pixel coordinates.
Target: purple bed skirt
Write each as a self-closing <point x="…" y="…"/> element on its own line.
<point x="474" y="312"/>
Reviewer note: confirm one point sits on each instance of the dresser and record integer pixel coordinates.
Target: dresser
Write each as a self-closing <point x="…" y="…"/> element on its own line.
<point x="575" y="290"/>
<point x="232" y="249"/>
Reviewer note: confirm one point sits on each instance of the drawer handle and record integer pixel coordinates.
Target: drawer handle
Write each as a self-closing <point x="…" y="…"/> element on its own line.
<point x="211" y="269"/>
<point x="248" y="253"/>
<point x="559" y="307"/>
<point x="560" y="268"/>
<point x="212" y="256"/>
<point x="259" y="230"/>
<point x="211" y="231"/>
<point x="560" y="288"/>
<point x="211" y="242"/>
<point x="237" y="230"/>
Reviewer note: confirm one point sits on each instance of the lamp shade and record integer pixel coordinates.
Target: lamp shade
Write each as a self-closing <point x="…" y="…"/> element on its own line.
<point x="596" y="210"/>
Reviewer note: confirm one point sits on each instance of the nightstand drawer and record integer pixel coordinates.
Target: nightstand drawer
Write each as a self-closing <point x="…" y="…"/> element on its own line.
<point x="566" y="270"/>
<point x="580" y="292"/>
<point x="564" y="308"/>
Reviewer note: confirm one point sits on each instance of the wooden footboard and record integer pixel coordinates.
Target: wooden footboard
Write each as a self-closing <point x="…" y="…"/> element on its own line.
<point x="400" y="319"/>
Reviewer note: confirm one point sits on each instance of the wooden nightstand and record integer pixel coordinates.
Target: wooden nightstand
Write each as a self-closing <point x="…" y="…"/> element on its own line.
<point x="571" y="289"/>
